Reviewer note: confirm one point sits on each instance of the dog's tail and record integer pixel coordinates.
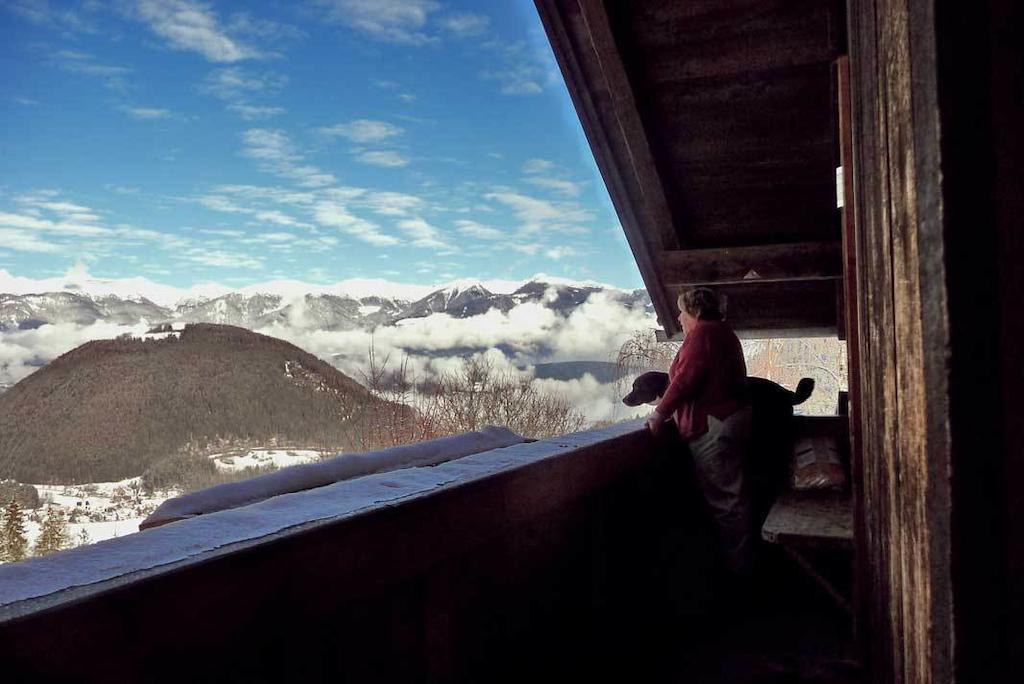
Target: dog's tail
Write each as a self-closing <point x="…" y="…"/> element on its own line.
<point x="803" y="390"/>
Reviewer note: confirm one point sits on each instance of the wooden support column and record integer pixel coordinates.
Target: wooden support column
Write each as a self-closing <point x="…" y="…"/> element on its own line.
<point x="937" y="123"/>
<point x="852" y="334"/>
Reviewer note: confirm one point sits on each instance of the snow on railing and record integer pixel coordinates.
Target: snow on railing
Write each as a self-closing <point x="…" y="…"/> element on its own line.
<point x="305" y="476"/>
<point x="90" y="568"/>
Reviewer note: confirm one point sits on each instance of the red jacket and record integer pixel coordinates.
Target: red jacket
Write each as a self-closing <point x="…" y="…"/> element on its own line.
<point x="707" y="377"/>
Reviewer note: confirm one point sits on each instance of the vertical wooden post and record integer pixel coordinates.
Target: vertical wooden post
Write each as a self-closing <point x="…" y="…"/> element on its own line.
<point x="850" y="316"/>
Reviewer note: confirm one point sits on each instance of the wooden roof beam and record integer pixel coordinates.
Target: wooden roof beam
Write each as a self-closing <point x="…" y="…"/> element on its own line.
<point x="584" y="47"/>
<point x="764" y="263"/>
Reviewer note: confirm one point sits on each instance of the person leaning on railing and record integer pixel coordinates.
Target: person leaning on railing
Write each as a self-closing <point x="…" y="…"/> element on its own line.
<point x="706" y="396"/>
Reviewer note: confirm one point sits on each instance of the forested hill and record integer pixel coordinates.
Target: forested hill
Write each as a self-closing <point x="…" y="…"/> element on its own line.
<point x="107" y="409"/>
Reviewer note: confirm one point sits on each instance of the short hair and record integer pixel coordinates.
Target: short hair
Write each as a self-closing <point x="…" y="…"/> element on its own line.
<point x="702" y="303"/>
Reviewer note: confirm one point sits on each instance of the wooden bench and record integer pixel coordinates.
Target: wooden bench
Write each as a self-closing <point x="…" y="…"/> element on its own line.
<point x="812" y="521"/>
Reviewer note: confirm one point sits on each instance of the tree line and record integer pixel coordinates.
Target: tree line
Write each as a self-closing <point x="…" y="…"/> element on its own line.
<point x="54" y="535"/>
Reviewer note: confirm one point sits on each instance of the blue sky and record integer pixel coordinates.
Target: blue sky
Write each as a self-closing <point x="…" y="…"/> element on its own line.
<point x="418" y="141"/>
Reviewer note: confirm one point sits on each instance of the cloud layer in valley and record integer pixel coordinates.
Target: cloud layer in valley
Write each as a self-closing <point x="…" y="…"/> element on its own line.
<point x="529" y="333"/>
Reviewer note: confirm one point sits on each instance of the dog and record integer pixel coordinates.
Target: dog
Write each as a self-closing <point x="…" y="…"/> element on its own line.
<point x="771" y="433"/>
<point x="649" y="387"/>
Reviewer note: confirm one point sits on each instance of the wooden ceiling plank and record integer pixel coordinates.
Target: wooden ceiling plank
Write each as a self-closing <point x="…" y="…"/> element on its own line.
<point x="764" y="263"/>
<point x="767" y="40"/>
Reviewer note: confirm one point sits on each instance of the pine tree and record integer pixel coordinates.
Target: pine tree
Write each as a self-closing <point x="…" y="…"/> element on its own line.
<point x="54" y="534"/>
<point x="83" y="537"/>
<point x="13" y="544"/>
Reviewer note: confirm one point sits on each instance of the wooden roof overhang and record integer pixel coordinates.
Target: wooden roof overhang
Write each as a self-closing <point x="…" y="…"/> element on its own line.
<point x="713" y="123"/>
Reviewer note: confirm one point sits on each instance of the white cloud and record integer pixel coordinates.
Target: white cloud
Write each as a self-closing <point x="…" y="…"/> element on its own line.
<point x="536" y="214"/>
<point x="531" y="332"/>
<point x="271" y="237"/>
<point x="362" y="130"/>
<point x="387" y="158"/>
<point x="280" y="219"/>
<point x="278" y="155"/>
<point x="25" y="241"/>
<point x="20" y="349"/>
<point x="530" y="248"/>
<point x="243" y="23"/>
<point x="193" y="27"/>
<point x="55" y="227"/>
<point x="268" y="193"/>
<point x="520" y="69"/>
<point x="269" y="145"/>
<point x="386" y="203"/>
<point x="223" y="232"/>
<point x="392" y="85"/>
<point x="254" y="113"/>
<point x="335" y="215"/>
<point x="234" y="84"/>
<point x="466" y="24"/>
<point x="220" y="203"/>
<point x="422" y="233"/>
<point x="83" y="63"/>
<point x="42" y="13"/>
<point x="230" y="206"/>
<point x="515" y="83"/>
<point x="479" y="231"/>
<point x="123" y="189"/>
<point x="220" y="259"/>
<point x="538" y="172"/>
<point x="537" y="166"/>
<point x="395" y="21"/>
<point x="557" y="253"/>
<point x="147" y="113"/>
<point x="65" y="218"/>
<point x="559" y="185"/>
<point x="49" y="200"/>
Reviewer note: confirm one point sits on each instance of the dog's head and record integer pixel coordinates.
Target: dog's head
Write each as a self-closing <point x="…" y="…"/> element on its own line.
<point x="647" y="388"/>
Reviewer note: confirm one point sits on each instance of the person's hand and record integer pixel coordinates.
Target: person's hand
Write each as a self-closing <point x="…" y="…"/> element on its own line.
<point x="654" y="423"/>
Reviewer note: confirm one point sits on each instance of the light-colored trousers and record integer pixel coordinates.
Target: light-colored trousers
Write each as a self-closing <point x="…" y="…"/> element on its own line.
<point x="718" y="460"/>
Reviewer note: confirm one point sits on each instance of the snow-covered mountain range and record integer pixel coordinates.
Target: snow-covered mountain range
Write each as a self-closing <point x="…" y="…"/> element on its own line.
<point x="316" y="309"/>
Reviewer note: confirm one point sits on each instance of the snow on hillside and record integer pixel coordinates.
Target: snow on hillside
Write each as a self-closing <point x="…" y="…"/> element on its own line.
<point x="79" y="280"/>
<point x="263" y="458"/>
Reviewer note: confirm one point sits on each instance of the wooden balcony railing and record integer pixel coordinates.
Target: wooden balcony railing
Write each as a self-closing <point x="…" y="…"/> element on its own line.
<point x="521" y="561"/>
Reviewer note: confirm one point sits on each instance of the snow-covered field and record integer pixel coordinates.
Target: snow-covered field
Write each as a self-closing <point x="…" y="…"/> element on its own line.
<point x="102" y="510"/>
<point x="262" y="458"/>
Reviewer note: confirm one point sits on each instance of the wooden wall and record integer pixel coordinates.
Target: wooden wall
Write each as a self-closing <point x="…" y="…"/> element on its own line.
<point x="937" y="119"/>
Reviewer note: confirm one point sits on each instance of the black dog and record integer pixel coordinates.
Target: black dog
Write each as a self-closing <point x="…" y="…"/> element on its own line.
<point x="650" y="386"/>
<point x="771" y="433"/>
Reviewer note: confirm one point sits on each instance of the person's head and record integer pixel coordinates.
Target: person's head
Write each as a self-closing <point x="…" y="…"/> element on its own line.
<point x="698" y="304"/>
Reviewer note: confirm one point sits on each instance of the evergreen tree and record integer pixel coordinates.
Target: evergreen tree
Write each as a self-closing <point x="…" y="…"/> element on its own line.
<point x="54" y="534"/>
<point x="83" y="537"/>
<point x="13" y="544"/>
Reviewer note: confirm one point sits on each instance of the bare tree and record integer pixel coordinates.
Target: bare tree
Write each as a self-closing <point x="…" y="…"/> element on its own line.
<point x="477" y="394"/>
